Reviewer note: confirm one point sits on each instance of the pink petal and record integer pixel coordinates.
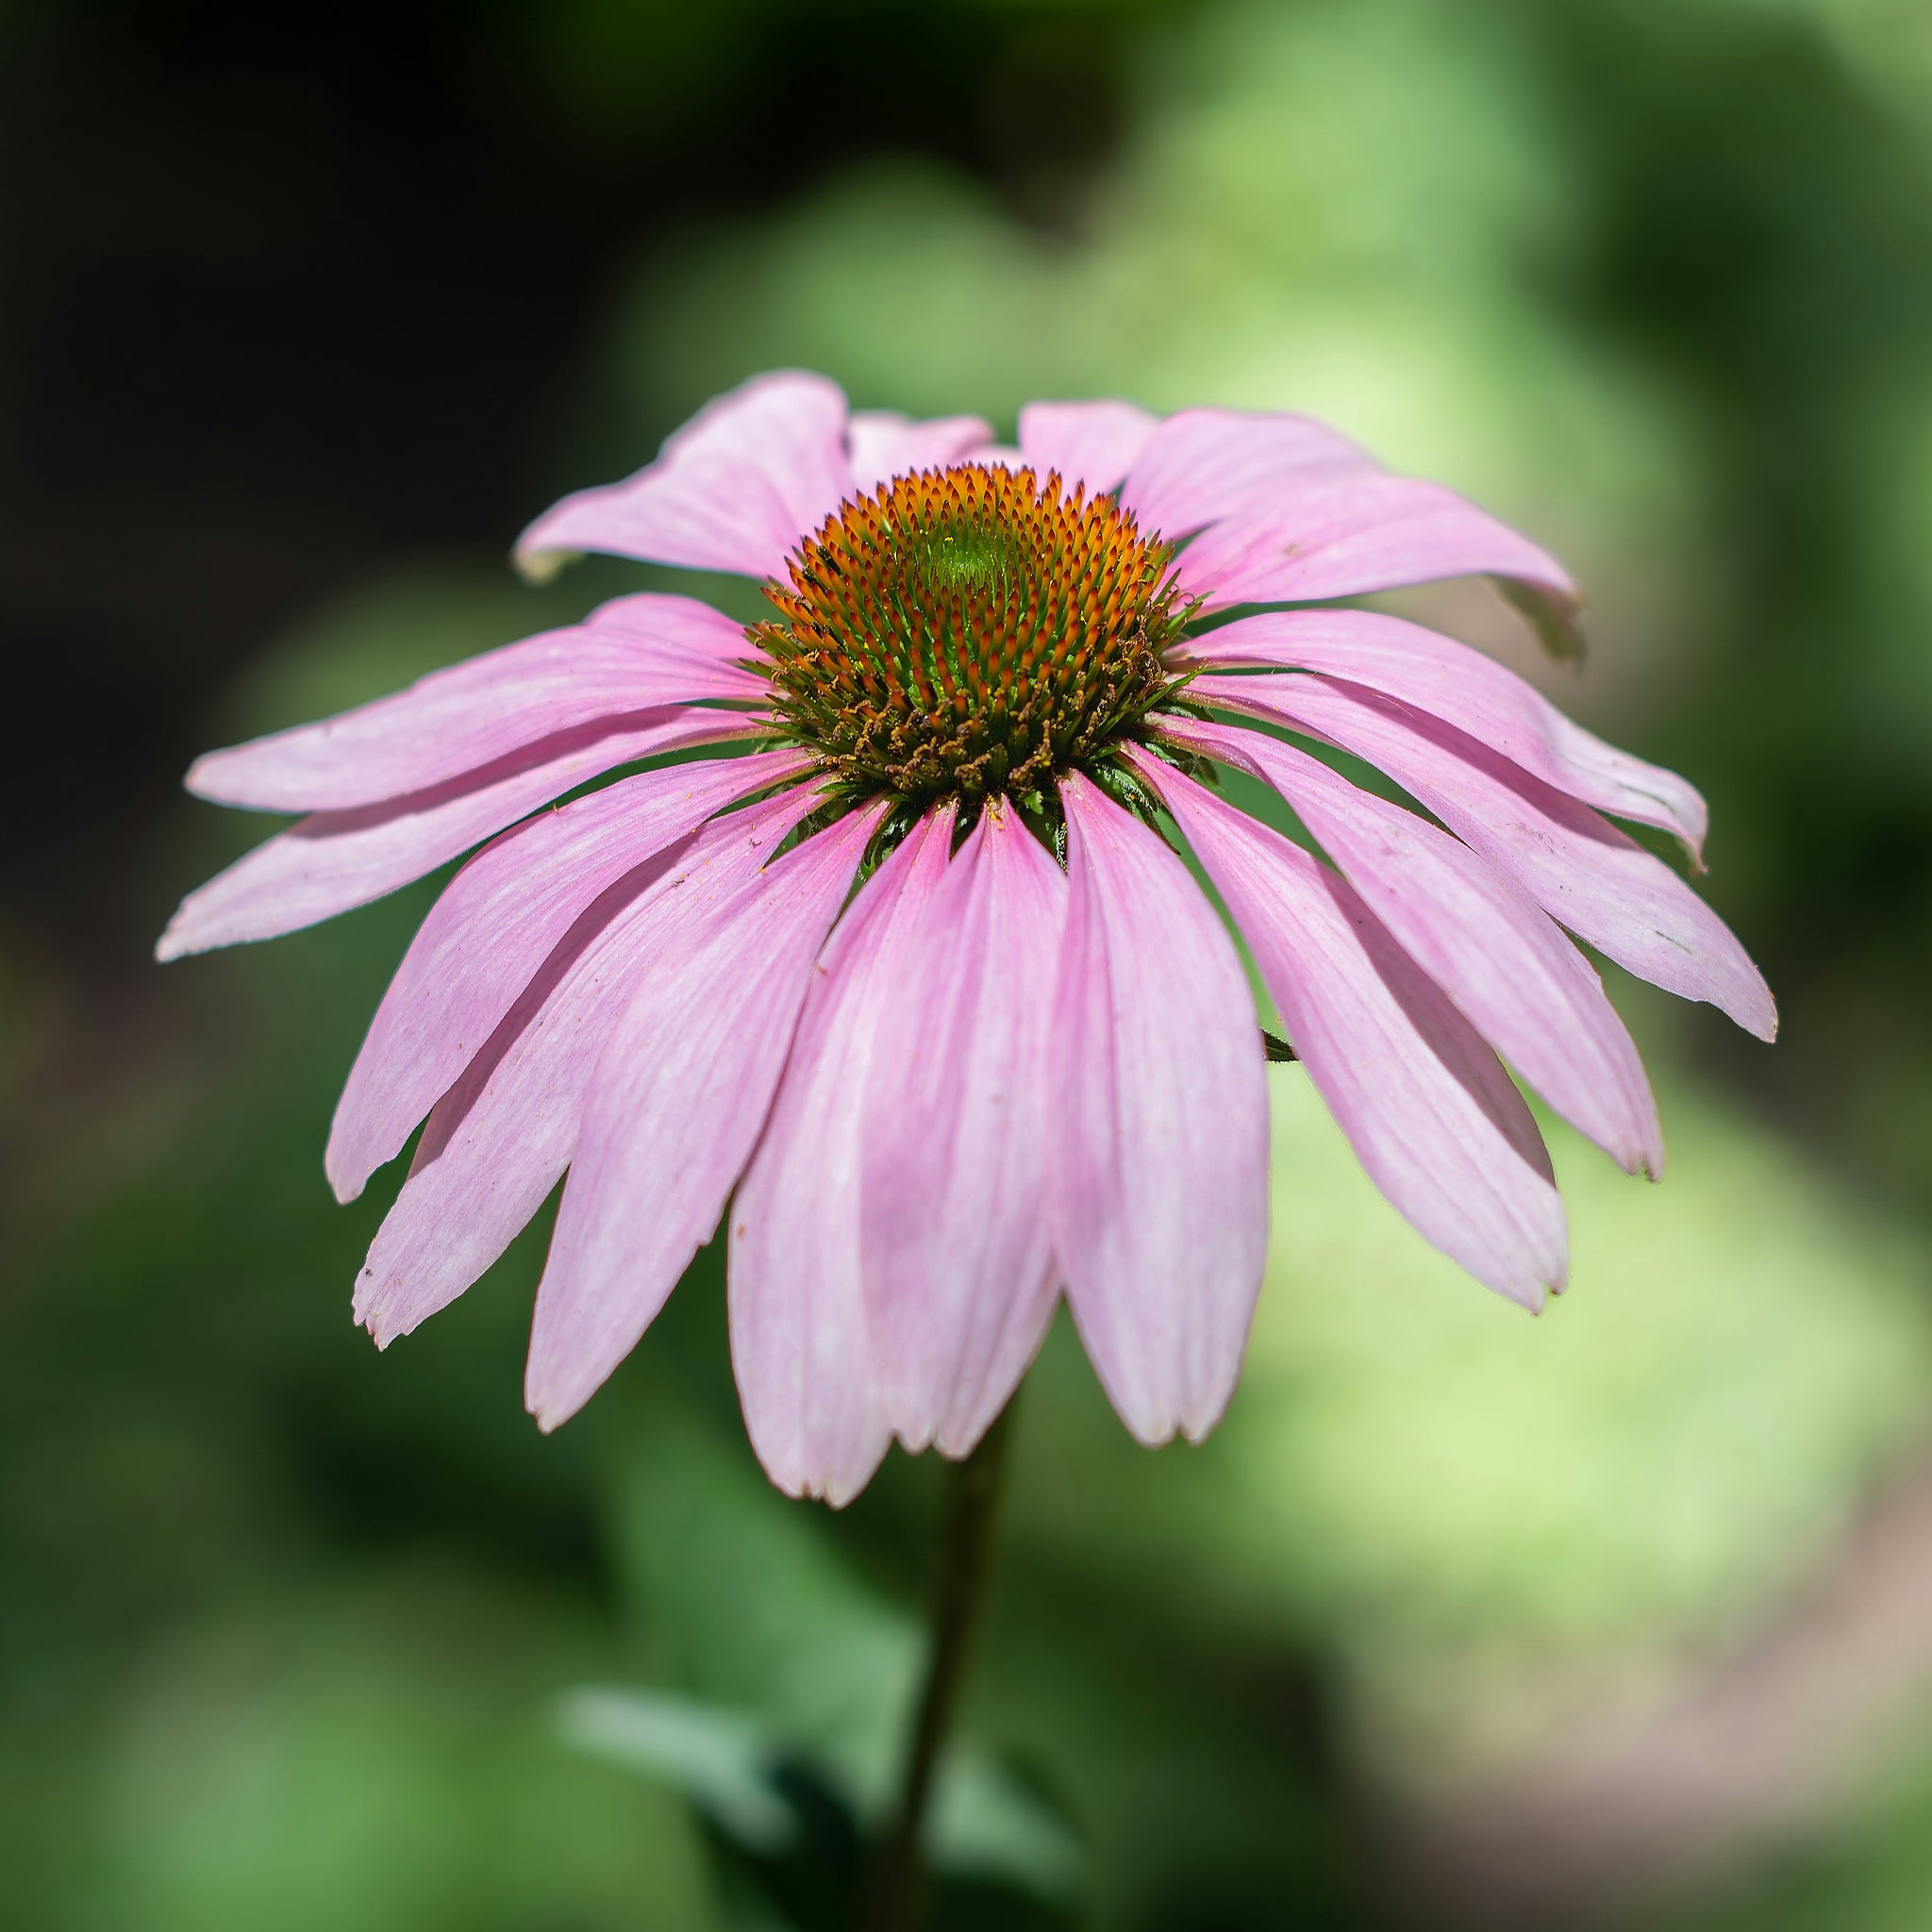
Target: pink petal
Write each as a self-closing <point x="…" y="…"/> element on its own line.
<point x="1462" y="687"/>
<point x="459" y="720"/>
<point x="1162" y="1116"/>
<point x="336" y="861"/>
<point x="1428" y="1109"/>
<point x="339" y="861"/>
<point x="684" y="627"/>
<point x="1356" y="533"/>
<point x="493" y="929"/>
<point x="675" y="1107"/>
<point x="734" y="489"/>
<point x="1199" y="465"/>
<point x="1577" y="866"/>
<point x="959" y="1280"/>
<point x="800" y="1344"/>
<point x="1094" y="443"/>
<point x="499" y="1141"/>
<point x="882" y="445"/>
<point x="1527" y="989"/>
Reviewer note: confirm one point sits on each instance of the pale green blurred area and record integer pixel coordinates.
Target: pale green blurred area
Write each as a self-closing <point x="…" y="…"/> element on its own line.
<point x="1340" y="209"/>
<point x="1437" y="1547"/>
<point x="379" y="1758"/>
<point x="1480" y="1508"/>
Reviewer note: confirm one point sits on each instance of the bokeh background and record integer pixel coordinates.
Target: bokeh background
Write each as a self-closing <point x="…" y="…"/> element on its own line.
<point x="1620" y="1618"/>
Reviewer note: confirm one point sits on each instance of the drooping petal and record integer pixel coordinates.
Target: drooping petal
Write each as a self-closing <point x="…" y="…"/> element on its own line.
<point x="461" y="720"/>
<point x="1200" y="465"/>
<point x="801" y="1345"/>
<point x="1473" y="693"/>
<point x="1530" y="994"/>
<point x="1160" y="1110"/>
<point x="1578" y="867"/>
<point x="682" y="626"/>
<point x="499" y="1141"/>
<point x="1094" y="443"/>
<point x="333" y="861"/>
<point x="675" y="1107"/>
<point x="493" y="929"/>
<point x="959" y="1280"/>
<point x="1365" y="532"/>
<point x="881" y="443"/>
<point x="734" y="489"/>
<point x="1426" y="1105"/>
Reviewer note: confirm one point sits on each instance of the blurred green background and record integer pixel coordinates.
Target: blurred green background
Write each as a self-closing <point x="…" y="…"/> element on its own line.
<point x="1622" y="1617"/>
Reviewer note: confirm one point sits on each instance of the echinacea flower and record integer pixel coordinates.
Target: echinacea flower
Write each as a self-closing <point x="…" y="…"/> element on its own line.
<point x="908" y="971"/>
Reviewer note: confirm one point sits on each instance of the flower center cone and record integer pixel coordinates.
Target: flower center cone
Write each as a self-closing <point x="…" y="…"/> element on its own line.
<point x="965" y="632"/>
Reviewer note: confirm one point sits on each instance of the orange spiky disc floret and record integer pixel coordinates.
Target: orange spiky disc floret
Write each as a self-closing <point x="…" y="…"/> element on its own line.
<point x="964" y="632"/>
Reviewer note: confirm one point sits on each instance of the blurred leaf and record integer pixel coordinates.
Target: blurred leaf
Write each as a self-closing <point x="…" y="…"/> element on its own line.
<point x="748" y="1606"/>
<point x="983" y="1822"/>
<point x="718" y="1760"/>
<point x="747" y="1602"/>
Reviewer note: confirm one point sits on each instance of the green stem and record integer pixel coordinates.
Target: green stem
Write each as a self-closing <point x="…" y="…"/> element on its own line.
<point x="973" y="1489"/>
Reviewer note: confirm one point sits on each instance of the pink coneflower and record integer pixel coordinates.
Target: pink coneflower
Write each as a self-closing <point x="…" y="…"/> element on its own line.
<point x="909" y="973"/>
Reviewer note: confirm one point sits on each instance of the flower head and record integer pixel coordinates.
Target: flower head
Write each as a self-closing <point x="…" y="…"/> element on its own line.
<point x="909" y="973"/>
<point x="966" y="633"/>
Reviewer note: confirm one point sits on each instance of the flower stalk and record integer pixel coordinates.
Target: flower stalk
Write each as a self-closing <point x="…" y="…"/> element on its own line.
<point x="973" y="1488"/>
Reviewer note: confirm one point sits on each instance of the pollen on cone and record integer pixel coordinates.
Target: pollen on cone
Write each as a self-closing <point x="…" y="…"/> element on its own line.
<point x="968" y="631"/>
